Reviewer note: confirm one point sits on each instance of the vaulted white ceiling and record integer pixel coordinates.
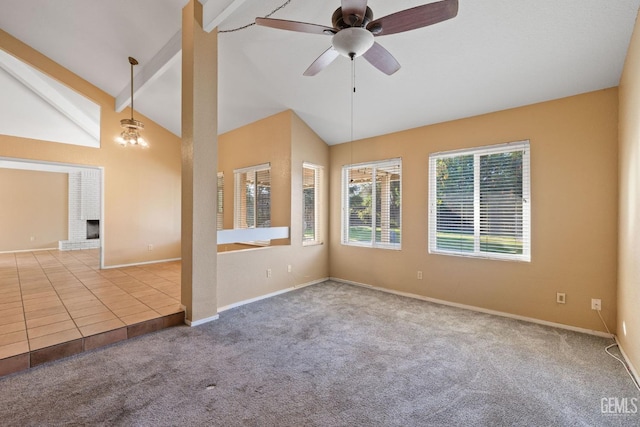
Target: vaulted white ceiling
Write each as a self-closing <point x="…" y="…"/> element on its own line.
<point x="496" y="54"/>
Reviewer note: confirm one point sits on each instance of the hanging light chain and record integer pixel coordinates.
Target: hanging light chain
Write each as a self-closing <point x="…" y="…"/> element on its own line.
<point x="133" y="62"/>
<point x="282" y="6"/>
<point x="130" y="134"/>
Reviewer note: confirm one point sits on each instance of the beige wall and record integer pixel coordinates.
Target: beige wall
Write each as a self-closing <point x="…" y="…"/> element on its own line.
<point x="142" y="187"/>
<point x="286" y="142"/>
<point x="629" y="222"/>
<point x="33" y="204"/>
<point x="574" y="209"/>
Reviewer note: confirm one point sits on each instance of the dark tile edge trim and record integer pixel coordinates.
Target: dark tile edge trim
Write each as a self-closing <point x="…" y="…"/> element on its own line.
<point x="24" y="361"/>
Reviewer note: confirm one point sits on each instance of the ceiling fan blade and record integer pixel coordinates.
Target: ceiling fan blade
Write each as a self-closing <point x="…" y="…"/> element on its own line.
<point x="380" y="58"/>
<point x="301" y="27"/>
<point x="351" y="8"/>
<point x="416" y="17"/>
<point x="322" y="62"/>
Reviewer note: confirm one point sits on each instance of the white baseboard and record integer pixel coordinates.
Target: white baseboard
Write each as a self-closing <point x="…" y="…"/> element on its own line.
<point x="272" y="294"/>
<point x="28" y="250"/>
<point x="633" y="370"/>
<point x="106" y="267"/>
<point x="478" y="309"/>
<point x="248" y="301"/>
<point x="201" y="321"/>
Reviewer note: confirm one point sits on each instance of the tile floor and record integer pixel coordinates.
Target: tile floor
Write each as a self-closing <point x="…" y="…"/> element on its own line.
<point x="53" y="297"/>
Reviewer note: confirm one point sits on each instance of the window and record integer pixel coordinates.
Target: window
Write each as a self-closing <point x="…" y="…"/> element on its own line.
<point x="220" y="213"/>
<point x="371" y="202"/>
<point x="310" y="203"/>
<point x="479" y="202"/>
<point x="252" y="205"/>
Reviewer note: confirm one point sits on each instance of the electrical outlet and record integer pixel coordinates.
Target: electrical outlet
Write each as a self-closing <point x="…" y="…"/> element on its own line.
<point x="596" y="304"/>
<point x="150" y="247"/>
<point x="561" y="298"/>
<point x="289" y="268"/>
<point x="268" y="273"/>
<point x="33" y="238"/>
<point x="419" y="275"/>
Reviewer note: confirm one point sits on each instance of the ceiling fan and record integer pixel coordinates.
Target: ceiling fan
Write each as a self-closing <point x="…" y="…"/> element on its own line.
<point x="354" y="30"/>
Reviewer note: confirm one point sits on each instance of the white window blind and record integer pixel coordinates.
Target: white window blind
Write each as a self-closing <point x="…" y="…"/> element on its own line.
<point x="479" y="202"/>
<point x="371" y="204"/>
<point x="311" y="202"/>
<point x="220" y="212"/>
<point x="252" y="198"/>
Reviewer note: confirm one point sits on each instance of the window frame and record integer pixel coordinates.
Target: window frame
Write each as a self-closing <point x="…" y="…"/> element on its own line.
<point x="237" y="194"/>
<point x="345" y="214"/>
<point x="220" y="197"/>
<point x="477" y="152"/>
<point x="318" y="170"/>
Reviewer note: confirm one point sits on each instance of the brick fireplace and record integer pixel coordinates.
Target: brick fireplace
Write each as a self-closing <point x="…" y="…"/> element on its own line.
<point x="84" y="211"/>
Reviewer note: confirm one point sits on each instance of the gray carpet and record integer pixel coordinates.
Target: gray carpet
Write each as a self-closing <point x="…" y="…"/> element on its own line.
<point x="330" y="355"/>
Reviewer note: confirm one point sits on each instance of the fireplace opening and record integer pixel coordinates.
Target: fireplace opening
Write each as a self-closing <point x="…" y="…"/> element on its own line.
<point x="93" y="229"/>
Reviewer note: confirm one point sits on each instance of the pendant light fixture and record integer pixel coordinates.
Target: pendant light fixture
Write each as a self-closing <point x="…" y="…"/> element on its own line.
<point x="130" y="134"/>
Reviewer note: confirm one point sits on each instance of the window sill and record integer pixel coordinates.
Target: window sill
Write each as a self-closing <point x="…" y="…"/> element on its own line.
<point x="378" y="246"/>
<point x="482" y="256"/>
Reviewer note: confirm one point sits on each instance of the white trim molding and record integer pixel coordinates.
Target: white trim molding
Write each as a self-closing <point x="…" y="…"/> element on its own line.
<point x="106" y="267"/>
<point x="28" y="250"/>
<point x="272" y="294"/>
<point x="201" y="321"/>
<point x="633" y="370"/>
<point x="478" y="309"/>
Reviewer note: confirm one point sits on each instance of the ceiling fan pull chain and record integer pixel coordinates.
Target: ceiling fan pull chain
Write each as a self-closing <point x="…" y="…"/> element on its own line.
<point x="353" y="91"/>
<point x="353" y="72"/>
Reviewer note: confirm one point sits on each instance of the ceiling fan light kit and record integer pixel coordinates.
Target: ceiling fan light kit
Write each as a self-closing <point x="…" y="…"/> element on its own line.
<point x="354" y="30"/>
<point x="352" y="42"/>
